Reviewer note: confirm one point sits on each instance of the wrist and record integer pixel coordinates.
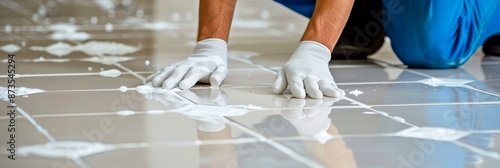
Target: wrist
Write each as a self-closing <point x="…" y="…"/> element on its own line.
<point x="312" y="50"/>
<point x="212" y="46"/>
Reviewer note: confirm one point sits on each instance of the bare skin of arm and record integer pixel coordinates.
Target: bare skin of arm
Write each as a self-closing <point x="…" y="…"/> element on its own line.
<point x="215" y="17"/>
<point x="328" y="21"/>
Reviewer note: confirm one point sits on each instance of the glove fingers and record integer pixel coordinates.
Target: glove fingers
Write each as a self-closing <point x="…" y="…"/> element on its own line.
<point x="312" y="88"/>
<point x="218" y="76"/>
<point x="330" y="89"/>
<point x="176" y="76"/>
<point x="296" y="86"/>
<point x="280" y="82"/>
<point x="162" y="76"/>
<point x="193" y="76"/>
<point x="152" y="76"/>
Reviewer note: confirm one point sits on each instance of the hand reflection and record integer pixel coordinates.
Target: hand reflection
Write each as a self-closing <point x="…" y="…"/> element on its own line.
<point x="310" y="118"/>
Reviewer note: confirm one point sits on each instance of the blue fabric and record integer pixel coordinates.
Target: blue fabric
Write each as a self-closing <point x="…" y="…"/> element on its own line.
<point x="303" y="7"/>
<point x="431" y="33"/>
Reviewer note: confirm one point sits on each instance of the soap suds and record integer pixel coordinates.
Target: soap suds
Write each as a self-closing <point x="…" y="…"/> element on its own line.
<point x="107" y="60"/>
<point x="92" y="48"/>
<point x="125" y="113"/>
<point x="123" y="88"/>
<point x="110" y="73"/>
<point x="159" y="26"/>
<point x="436" y="82"/>
<point x="21" y="91"/>
<point x="433" y="133"/>
<point x="42" y="59"/>
<point x="71" y="36"/>
<point x="89" y="68"/>
<point x="399" y="119"/>
<point x="108" y="27"/>
<point x="94" y="20"/>
<point x="356" y="92"/>
<point x="65" y="149"/>
<point x="147" y="62"/>
<point x="8" y="28"/>
<point x="10" y="48"/>
<point x="155" y="111"/>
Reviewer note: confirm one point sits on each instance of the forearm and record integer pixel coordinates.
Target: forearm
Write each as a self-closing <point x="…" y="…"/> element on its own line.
<point x="215" y="18"/>
<point x="328" y="21"/>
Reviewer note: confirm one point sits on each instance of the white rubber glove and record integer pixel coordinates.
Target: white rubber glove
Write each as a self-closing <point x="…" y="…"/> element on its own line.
<point x="207" y="64"/>
<point x="307" y="71"/>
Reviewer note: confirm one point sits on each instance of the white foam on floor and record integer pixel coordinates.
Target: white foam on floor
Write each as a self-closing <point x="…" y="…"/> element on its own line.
<point x="446" y="82"/>
<point x="356" y="92"/>
<point x="159" y="26"/>
<point x="94" y="20"/>
<point x="107" y="60"/>
<point x="64" y="149"/>
<point x="42" y="59"/>
<point x="7" y="28"/>
<point x="123" y="88"/>
<point x="71" y="36"/>
<point x="92" y="48"/>
<point x="155" y="111"/>
<point x="108" y="27"/>
<point x="433" y="133"/>
<point x="110" y="73"/>
<point x="21" y="91"/>
<point x="125" y="113"/>
<point x="10" y="48"/>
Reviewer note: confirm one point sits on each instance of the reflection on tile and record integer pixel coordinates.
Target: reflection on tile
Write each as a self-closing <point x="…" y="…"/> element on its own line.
<point x="390" y="94"/>
<point x="25" y="133"/>
<point x="60" y="68"/>
<point x="218" y="155"/>
<point x="89" y="102"/>
<point x="33" y="161"/>
<point x="243" y="123"/>
<point x="79" y="82"/>
<point x="460" y="117"/>
<point x="130" y="127"/>
<point x="309" y="122"/>
<point x="255" y="77"/>
<point x="375" y="74"/>
<point x="389" y="152"/>
<point x="258" y="96"/>
<point x="485" y="141"/>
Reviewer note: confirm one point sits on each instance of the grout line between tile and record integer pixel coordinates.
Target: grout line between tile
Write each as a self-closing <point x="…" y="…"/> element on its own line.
<point x="37" y="126"/>
<point x="395" y="118"/>
<point x="493" y="155"/>
<point x="433" y="104"/>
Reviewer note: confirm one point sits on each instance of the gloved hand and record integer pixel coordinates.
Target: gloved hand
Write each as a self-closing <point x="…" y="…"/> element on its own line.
<point x="308" y="69"/>
<point x="207" y="64"/>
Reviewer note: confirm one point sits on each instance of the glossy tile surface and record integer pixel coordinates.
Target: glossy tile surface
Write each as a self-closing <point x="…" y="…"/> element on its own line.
<point x="80" y="66"/>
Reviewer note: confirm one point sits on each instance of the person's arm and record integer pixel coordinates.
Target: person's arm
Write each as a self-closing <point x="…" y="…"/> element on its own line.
<point x="307" y="71"/>
<point x="215" y="17"/>
<point x="208" y="63"/>
<point x="328" y="21"/>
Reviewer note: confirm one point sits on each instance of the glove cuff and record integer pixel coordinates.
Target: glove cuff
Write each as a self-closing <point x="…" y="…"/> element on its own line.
<point x="314" y="50"/>
<point x="212" y="46"/>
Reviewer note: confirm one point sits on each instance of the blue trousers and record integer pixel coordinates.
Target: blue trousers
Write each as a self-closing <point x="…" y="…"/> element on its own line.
<point x="431" y="33"/>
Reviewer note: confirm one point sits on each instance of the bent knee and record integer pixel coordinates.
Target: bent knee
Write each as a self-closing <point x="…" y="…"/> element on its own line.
<point x="431" y="53"/>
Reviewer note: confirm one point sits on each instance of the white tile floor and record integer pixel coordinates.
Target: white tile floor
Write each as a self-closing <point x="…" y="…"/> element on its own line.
<point x="404" y="118"/>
